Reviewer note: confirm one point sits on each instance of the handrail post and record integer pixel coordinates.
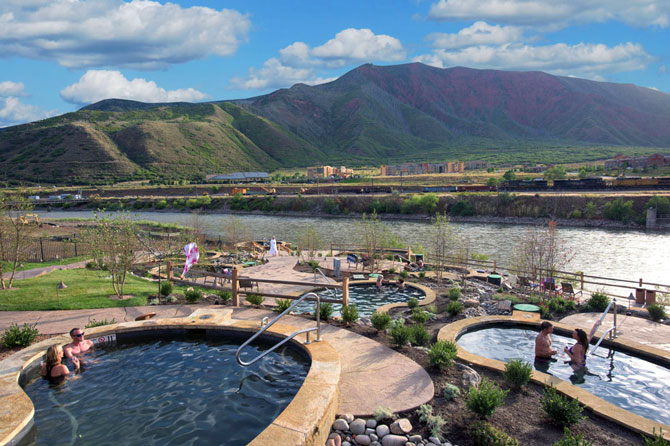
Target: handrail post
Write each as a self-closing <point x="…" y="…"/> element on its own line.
<point x="331" y="248"/>
<point x="235" y="284"/>
<point x="345" y="291"/>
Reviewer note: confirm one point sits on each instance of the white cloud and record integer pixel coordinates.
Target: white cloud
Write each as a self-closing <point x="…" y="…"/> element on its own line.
<point x="584" y="59"/>
<point x="13" y="111"/>
<point x="274" y="74"/>
<point x="140" y="33"/>
<point x="641" y="13"/>
<point x="96" y="85"/>
<point x="360" y="45"/>
<point x="480" y="33"/>
<point x="9" y="88"/>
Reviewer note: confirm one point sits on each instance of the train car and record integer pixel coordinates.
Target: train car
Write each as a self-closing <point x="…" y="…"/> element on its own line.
<point x="640" y="183"/>
<point x="581" y="184"/>
<point x="525" y="185"/>
<point x="475" y="188"/>
<point x="437" y="189"/>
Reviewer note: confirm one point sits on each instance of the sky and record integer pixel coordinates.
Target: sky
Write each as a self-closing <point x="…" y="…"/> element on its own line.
<point x="59" y="55"/>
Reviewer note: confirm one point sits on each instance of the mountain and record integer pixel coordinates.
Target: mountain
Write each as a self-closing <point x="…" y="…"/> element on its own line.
<point x="371" y="115"/>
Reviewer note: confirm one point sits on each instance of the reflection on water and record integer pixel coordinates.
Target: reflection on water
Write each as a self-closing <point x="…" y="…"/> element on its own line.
<point x="600" y="252"/>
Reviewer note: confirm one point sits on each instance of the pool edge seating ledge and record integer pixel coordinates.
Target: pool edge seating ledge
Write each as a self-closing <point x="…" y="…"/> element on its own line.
<point x="592" y="402"/>
<point x="305" y="421"/>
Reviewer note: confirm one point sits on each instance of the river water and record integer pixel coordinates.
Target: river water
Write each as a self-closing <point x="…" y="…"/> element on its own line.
<point x="623" y="254"/>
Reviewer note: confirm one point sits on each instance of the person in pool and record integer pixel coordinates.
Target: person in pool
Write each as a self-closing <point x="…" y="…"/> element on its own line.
<point x="78" y="346"/>
<point x="577" y="352"/>
<point x="53" y="369"/>
<point x="380" y="281"/>
<point x="401" y="283"/>
<point x="543" y="348"/>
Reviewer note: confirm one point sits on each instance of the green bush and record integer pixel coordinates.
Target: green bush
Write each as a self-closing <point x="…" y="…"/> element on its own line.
<point x="192" y="295"/>
<point x="450" y="391"/>
<point x="380" y="321"/>
<point x="313" y="264"/>
<point x="413" y="303"/>
<point x="225" y="296"/>
<point x="484" y="400"/>
<point x="455" y="307"/>
<point x="571" y="440"/>
<point x="325" y="311"/>
<point x="400" y="334"/>
<point x="255" y="299"/>
<point x="404" y="274"/>
<point x="619" y="210"/>
<point x="561" y="410"/>
<point x="391" y="270"/>
<point x="350" y="313"/>
<point x="282" y="305"/>
<point x="16" y="336"/>
<point x="560" y="304"/>
<point x="419" y="335"/>
<point x="161" y="204"/>
<point x="656" y="440"/>
<point x="382" y="413"/>
<point x="419" y="316"/>
<point x="598" y="302"/>
<point x="462" y="208"/>
<point x="432" y="309"/>
<point x="576" y="214"/>
<point x="656" y="312"/>
<point x="454" y="293"/>
<point x="166" y="288"/>
<point x="422" y="274"/>
<point x="434" y="423"/>
<point x="442" y="354"/>
<point x="518" y="372"/>
<point x="545" y="312"/>
<point x="93" y="323"/>
<point x="483" y="433"/>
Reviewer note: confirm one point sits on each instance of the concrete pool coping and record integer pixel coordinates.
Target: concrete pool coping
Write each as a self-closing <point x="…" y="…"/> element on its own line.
<point x="305" y="421"/>
<point x="595" y="404"/>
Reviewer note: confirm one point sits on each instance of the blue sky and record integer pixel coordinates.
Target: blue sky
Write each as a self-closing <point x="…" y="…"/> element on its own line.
<point x="58" y="55"/>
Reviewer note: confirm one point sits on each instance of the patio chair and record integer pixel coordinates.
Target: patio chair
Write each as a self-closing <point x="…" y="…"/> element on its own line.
<point x="568" y="290"/>
<point x="246" y="282"/>
<point x="526" y="283"/>
<point x="353" y="258"/>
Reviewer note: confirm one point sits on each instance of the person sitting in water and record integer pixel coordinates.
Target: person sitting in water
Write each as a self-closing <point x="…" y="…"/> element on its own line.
<point x="380" y="281"/>
<point x="401" y="283"/>
<point x="419" y="264"/>
<point x="78" y="346"/>
<point x="410" y="266"/>
<point x="53" y="369"/>
<point x="577" y="352"/>
<point x="543" y="348"/>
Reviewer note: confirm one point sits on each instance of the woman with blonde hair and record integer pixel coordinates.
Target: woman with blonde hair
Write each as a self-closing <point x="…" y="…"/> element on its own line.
<point x="53" y="368"/>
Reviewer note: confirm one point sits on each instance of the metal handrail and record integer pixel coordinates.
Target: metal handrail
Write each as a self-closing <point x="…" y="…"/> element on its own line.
<point x="610" y="330"/>
<point x="291" y="336"/>
<point x="330" y="290"/>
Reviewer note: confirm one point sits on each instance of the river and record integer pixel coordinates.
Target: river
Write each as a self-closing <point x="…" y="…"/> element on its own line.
<point x="625" y="254"/>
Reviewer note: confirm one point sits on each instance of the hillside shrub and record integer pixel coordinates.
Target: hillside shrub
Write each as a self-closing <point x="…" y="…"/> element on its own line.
<point x="576" y="214"/>
<point x="400" y="334"/>
<point x="560" y="304"/>
<point x="562" y="411"/>
<point x="597" y="303"/>
<point x="572" y="440"/>
<point x="485" y="399"/>
<point x="325" y="311"/>
<point x="462" y="208"/>
<point x="161" y="204"/>
<point x="255" y="299"/>
<point x="16" y="336"/>
<point x="656" y="312"/>
<point x="455" y="307"/>
<point x="418" y="335"/>
<point x="483" y="433"/>
<point x="518" y="373"/>
<point x="419" y="316"/>
<point x="282" y="305"/>
<point x="619" y="210"/>
<point x="442" y="354"/>
<point x="350" y="314"/>
<point x="450" y="391"/>
<point x="413" y="303"/>
<point x="454" y="293"/>
<point x="662" y="204"/>
<point x="192" y="295"/>
<point x="380" y="321"/>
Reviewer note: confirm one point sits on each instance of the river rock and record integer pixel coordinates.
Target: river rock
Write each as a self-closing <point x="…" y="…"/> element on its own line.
<point x="504" y="305"/>
<point x="346" y="416"/>
<point x="373" y="437"/>
<point x="470" y="376"/>
<point x="337" y="440"/>
<point x="369" y="430"/>
<point x="363" y="440"/>
<point x="401" y="426"/>
<point x="372" y="423"/>
<point x="394" y="440"/>
<point x="382" y="430"/>
<point x="470" y="303"/>
<point x="415" y="439"/>
<point x="341" y="425"/>
<point x="435" y="440"/>
<point x="357" y="426"/>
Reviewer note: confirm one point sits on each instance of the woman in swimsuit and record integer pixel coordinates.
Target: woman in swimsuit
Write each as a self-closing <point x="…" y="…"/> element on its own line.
<point x="53" y="369"/>
<point x="577" y="352"/>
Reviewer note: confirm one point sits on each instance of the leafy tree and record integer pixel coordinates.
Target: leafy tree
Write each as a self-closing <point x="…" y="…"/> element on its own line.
<point x="543" y="248"/>
<point x="309" y="239"/>
<point x="662" y="204"/>
<point x="374" y="236"/>
<point x="14" y="234"/>
<point x="619" y="210"/>
<point x="510" y="175"/>
<point x="492" y="181"/>
<point x="234" y="232"/>
<point x="443" y="238"/>
<point x="554" y="173"/>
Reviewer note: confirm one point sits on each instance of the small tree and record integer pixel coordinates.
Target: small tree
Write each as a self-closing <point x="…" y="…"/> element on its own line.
<point x="443" y="240"/>
<point x="309" y="239"/>
<point x="14" y="233"/>
<point x="542" y="248"/>
<point x="374" y="236"/>
<point x="113" y="245"/>
<point x="235" y="232"/>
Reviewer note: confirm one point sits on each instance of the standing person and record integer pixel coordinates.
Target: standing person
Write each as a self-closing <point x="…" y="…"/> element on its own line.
<point x="273" y="247"/>
<point x="380" y="280"/>
<point x="78" y="346"/>
<point x="53" y="369"/>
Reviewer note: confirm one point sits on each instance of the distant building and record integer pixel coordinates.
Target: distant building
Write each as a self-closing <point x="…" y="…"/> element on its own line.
<point x="641" y="162"/>
<point x="476" y="165"/>
<point x="329" y="171"/>
<point x="422" y="168"/>
<point x="239" y="177"/>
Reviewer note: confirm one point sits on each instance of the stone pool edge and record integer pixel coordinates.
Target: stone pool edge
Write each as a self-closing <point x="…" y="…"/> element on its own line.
<point x="305" y="421"/>
<point x="593" y="403"/>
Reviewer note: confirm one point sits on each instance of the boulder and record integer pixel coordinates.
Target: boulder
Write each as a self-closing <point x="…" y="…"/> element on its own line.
<point x="394" y="440"/>
<point x="470" y="303"/>
<point x="401" y="426"/>
<point x="372" y="423"/>
<point x="357" y="426"/>
<point x="382" y="430"/>
<point x="504" y="305"/>
<point x="341" y="425"/>
<point x="363" y="440"/>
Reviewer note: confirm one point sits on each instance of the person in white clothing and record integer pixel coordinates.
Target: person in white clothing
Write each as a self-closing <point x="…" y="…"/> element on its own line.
<point x="273" y="247"/>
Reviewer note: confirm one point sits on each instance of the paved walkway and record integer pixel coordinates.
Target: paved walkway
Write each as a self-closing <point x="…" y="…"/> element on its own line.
<point x="30" y="273"/>
<point x="632" y="328"/>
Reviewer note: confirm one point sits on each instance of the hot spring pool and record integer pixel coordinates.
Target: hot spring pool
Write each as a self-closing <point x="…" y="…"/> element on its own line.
<point x="187" y="390"/>
<point x="366" y="297"/>
<point x="629" y="382"/>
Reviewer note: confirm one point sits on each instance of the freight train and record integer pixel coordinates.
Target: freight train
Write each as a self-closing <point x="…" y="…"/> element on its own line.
<point x="596" y="183"/>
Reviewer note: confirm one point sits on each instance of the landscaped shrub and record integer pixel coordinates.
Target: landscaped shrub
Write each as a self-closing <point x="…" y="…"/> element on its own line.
<point x="597" y="302"/>
<point x="656" y="312"/>
<point x="454" y="293"/>
<point x="255" y="299"/>
<point x="225" y="296"/>
<point x="434" y="423"/>
<point x="419" y="335"/>
<point x="192" y="295"/>
<point x="518" y="372"/>
<point x="560" y="304"/>
<point x="442" y="354"/>
<point x="455" y="307"/>
<point x="382" y="414"/>
<point x="400" y="334"/>
<point x="561" y="410"/>
<point x="166" y="288"/>
<point x="380" y="321"/>
<point x="325" y="311"/>
<point x="16" y="336"/>
<point x="413" y="303"/>
<point x="282" y="305"/>
<point x="485" y="399"/>
<point x="432" y="308"/>
<point x="450" y="391"/>
<point x="93" y="323"/>
<point x="313" y="264"/>
<point x="404" y="274"/>
<point x="391" y="270"/>
<point x="483" y="433"/>
<point x="350" y="313"/>
<point x="419" y="316"/>
<point x="422" y="274"/>
<point x="571" y="440"/>
<point x="656" y="440"/>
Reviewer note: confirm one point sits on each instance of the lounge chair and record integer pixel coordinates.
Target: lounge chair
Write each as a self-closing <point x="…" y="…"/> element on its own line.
<point x="569" y="291"/>
<point x="246" y="282"/>
<point x="525" y="283"/>
<point x="353" y="258"/>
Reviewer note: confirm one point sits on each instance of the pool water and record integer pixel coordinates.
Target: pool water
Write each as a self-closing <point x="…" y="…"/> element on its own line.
<point x="180" y="392"/>
<point x="629" y="382"/>
<point x="366" y="297"/>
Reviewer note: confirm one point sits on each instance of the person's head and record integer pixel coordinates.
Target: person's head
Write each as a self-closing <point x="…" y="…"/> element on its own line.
<point x="401" y="281"/>
<point x="580" y="336"/>
<point x="77" y="335"/>
<point x="54" y="355"/>
<point x="546" y="327"/>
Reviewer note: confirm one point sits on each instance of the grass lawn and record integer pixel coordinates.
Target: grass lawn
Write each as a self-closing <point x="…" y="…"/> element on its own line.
<point x="85" y="289"/>
<point x="7" y="266"/>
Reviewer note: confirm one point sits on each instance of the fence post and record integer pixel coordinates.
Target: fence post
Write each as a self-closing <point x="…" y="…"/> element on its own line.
<point x="581" y="279"/>
<point x="495" y="266"/>
<point x="169" y="270"/>
<point x="345" y="291"/>
<point x="331" y="248"/>
<point x="41" y="251"/>
<point x="75" y="245"/>
<point x="409" y="253"/>
<point x="534" y="272"/>
<point x="235" y="286"/>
